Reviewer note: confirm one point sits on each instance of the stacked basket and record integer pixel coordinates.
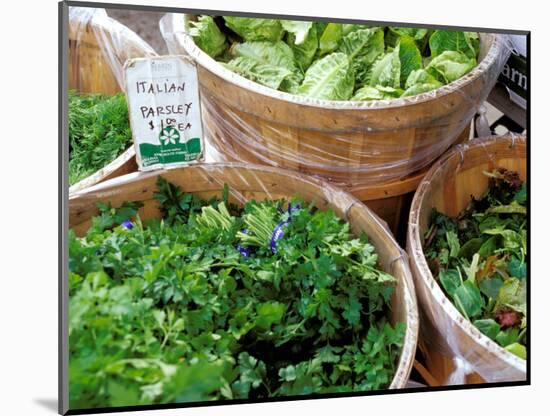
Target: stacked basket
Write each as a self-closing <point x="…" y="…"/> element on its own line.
<point x="455" y="350"/>
<point x="258" y="182"/>
<point x="376" y="150"/>
<point x="98" y="48"/>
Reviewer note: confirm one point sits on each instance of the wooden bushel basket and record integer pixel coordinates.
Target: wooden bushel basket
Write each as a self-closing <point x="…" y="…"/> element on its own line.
<point x="348" y="143"/>
<point x="246" y="182"/>
<point x="90" y="72"/>
<point x="445" y="335"/>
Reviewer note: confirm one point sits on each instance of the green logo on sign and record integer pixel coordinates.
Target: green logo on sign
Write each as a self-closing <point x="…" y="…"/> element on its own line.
<point x="169" y="135"/>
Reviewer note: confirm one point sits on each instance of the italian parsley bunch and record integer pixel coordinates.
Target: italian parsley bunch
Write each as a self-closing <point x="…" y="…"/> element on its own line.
<point x="173" y="310"/>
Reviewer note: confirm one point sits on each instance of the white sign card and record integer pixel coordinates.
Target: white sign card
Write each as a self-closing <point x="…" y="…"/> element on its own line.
<point x="164" y="107"/>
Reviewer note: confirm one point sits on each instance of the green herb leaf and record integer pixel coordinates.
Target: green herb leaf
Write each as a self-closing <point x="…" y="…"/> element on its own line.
<point x="488" y="326"/>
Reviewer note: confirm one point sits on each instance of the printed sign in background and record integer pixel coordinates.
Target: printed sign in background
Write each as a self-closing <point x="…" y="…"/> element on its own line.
<point x="164" y="106"/>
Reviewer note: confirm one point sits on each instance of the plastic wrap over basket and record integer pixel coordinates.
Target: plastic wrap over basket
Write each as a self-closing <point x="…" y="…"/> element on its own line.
<point x="260" y="182"/>
<point x="350" y="143"/>
<point x="98" y="48"/>
<point x="448" y="187"/>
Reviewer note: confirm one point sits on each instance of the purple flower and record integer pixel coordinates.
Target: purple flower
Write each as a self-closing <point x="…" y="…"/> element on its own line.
<point x="245" y="252"/>
<point x="278" y="232"/>
<point x="127" y="224"/>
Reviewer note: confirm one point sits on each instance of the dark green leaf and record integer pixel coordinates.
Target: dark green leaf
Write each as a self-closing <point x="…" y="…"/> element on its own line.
<point x="468" y="299"/>
<point x="450" y="280"/>
<point x="488" y="326"/>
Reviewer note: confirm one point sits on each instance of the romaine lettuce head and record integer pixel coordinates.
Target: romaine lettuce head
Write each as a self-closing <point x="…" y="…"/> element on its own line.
<point x="393" y="69"/>
<point x="208" y="36"/>
<point x="329" y="78"/>
<point x="273" y="53"/>
<point x="363" y="47"/>
<point x="445" y="40"/>
<point x="386" y="71"/>
<point x="298" y="28"/>
<point x="303" y="43"/>
<point x="329" y="38"/>
<point x="269" y="75"/>
<point x="409" y="57"/>
<point x="420" y="81"/>
<point x="450" y="65"/>
<point x="251" y="28"/>
<point x="269" y="63"/>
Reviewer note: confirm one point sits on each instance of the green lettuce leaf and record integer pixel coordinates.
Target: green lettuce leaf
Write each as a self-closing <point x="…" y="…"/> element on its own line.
<point x="251" y="28"/>
<point x="329" y="78"/>
<point x="208" y="36"/>
<point x="363" y="47"/>
<point x="473" y="37"/>
<point x="386" y="71"/>
<point x="450" y="280"/>
<point x="305" y="51"/>
<point x="297" y="28"/>
<point x="273" y="53"/>
<point x="277" y="55"/>
<point x="490" y="286"/>
<point x="269" y="75"/>
<point x="468" y="299"/>
<point x="445" y="40"/>
<point x="513" y="295"/>
<point x="420" y="89"/>
<point x="488" y="326"/>
<point x="517" y="349"/>
<point x="393" y="69"/>
<point x="368" y="93"/>
<point x="347" y="28"/>
<point x="450" y="65"/>
<point x="330" y="38"/>
<point x="409" y="57"/>
<point x="416" y="34"/>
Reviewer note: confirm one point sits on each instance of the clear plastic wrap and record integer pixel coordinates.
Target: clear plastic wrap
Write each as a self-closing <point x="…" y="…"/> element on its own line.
<point x="98" y="49"/>
<point x="350" y="143"/>
<point x="448" y="187"/>
<point x="259" y="182"/>
<point x="98" y="42"/>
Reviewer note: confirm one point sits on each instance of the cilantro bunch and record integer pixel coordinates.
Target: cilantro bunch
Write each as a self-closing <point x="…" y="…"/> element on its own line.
<point x="174" y="310"/>
<point x="99" y="132"/>
<point x="479" y="259"/>
<point x="336" y="61"/>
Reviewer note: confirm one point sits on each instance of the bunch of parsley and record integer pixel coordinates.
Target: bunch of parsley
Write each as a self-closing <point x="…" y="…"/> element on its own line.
<point x="198" y="305"/>
<point x="480" y="260"/>
<point x="99" y="131"/>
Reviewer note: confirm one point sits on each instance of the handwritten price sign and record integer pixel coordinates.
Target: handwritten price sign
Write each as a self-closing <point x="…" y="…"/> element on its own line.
<point x="164" y="106"/>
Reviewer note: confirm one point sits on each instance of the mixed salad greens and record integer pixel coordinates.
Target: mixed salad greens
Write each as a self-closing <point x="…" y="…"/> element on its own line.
<point x="479" y="259"/>
<point x="214" y="301"/>
<point x="336" y="61"/>
<point x="99" y="131"/>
